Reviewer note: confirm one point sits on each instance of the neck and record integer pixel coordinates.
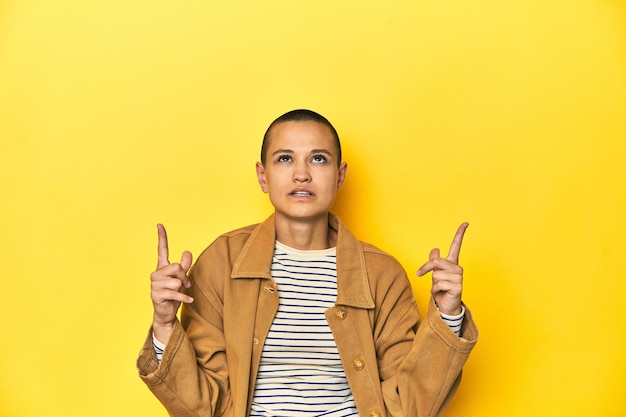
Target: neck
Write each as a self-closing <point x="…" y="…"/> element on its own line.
<point x="310" y="234"/>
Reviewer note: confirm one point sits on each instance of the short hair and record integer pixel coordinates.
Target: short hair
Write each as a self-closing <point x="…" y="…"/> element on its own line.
<point x="300" y="115"/>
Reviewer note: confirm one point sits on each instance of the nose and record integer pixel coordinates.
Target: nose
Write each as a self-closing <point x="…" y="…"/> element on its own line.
<point x="301" y="172"/>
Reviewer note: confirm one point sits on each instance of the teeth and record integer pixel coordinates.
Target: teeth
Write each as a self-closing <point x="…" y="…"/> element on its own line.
<point x="301" y="193"/>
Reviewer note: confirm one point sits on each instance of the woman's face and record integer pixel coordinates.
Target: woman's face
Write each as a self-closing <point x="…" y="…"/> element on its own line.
<point x="300" y="172"/>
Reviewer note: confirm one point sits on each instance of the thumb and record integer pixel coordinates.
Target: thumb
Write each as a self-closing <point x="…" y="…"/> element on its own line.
<point x="186" y="260"/>
<point x="434" y="254"/>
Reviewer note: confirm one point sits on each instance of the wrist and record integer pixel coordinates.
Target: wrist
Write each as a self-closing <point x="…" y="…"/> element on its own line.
<point x="162" y="331"/>
<point x="460" y="313"/>
<point x="450" y="311"/>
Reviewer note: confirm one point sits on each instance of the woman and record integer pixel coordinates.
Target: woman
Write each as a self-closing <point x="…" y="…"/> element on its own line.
<point x="295" y="316"/>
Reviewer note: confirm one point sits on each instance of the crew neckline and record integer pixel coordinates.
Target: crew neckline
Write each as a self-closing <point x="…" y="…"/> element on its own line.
<point x="306" y="253"/>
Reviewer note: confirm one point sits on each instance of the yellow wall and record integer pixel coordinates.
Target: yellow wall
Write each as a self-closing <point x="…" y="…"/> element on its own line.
<point x="116" y="115"/>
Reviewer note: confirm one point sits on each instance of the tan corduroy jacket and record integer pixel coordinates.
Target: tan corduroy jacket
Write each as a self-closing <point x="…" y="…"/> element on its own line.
<point x="395" y="366"/>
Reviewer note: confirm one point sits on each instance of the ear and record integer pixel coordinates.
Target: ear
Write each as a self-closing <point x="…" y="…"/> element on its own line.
<point x="260" y="174"/>
<point x="343" y="168"/>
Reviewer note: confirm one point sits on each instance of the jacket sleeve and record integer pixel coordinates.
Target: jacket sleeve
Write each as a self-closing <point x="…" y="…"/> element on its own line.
<point x="192" y="378"/>
<point x="431" y="372"/>
<point x="419" y="362"/>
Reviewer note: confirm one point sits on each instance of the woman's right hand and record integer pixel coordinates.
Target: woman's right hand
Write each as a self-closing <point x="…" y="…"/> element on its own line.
<point x="166" y="284"/>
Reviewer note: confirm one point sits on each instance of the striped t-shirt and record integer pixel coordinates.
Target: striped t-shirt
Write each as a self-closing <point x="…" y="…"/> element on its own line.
<point x="300" y="374"/>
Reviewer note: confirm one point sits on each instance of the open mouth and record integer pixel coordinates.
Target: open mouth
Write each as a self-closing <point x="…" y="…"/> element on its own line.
<point x="301" y="194"/>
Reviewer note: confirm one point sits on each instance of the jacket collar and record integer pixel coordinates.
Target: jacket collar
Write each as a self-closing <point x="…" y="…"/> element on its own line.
<point x="353" y="288"/>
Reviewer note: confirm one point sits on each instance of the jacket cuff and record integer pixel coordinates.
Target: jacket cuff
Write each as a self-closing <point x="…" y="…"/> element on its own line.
<point x="469" y="333"/>
<point x="150" y="370"/>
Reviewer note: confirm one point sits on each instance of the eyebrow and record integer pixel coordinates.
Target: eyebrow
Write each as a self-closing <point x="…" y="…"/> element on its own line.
<point x="313" y="151"/>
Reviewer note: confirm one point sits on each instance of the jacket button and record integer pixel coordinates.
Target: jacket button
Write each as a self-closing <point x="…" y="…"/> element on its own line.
<point x="375" y="413"/>
<point x="341" y="314"/>
<point x="358" y="364"/>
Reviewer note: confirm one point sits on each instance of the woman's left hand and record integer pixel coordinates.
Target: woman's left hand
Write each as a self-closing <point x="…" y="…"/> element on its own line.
<point x="447" y="275"/>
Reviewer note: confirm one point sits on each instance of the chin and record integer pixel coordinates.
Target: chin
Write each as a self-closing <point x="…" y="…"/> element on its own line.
<point x="302" y="215"/>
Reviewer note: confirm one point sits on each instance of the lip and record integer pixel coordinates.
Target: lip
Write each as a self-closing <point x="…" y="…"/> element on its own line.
<point x="301" y="193"/>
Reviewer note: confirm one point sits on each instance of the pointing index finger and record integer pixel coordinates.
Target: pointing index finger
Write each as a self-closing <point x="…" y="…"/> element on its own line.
<point x="455" y="248"/>
<point x="163" y="248"/>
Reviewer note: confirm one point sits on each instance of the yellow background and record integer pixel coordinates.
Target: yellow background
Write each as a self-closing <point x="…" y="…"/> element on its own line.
<point x="116" y="115"/>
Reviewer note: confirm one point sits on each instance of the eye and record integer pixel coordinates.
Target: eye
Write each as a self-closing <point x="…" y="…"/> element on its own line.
<point x="319" y="159"/>
<point x="283" y="158"/>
